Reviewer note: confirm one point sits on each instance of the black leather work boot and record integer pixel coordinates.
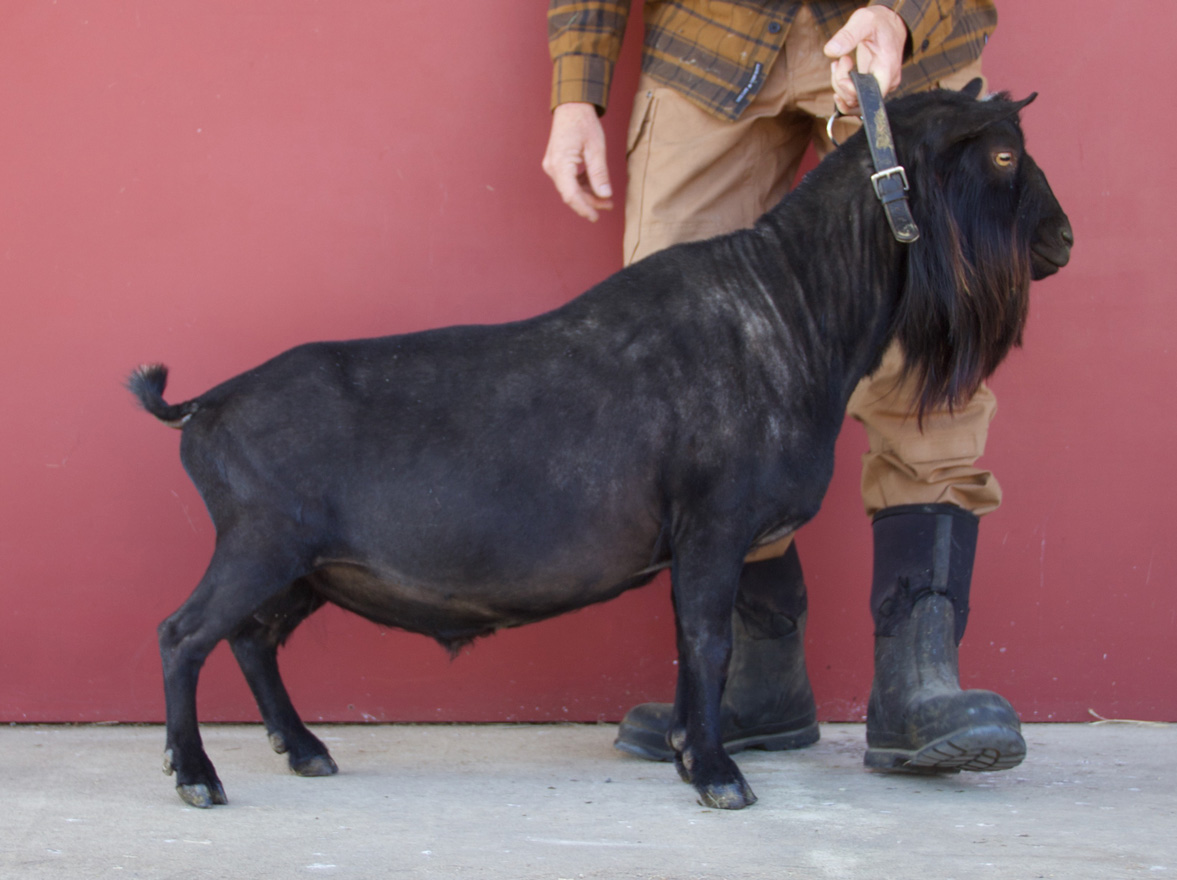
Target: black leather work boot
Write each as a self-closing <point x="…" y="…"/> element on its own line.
<point x="918" y="719"/>
<point x="767" y="702"/>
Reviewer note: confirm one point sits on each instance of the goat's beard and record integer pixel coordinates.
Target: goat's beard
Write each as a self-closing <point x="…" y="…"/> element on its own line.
<point x="964" y="305"/>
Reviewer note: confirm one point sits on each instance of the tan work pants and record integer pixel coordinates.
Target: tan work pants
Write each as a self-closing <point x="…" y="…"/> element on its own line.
<point x="692" y="176"/>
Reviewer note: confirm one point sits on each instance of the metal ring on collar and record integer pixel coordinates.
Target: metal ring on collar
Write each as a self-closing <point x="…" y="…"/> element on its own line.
<point x="838" y="114"/>
<point x="830" y="126"/>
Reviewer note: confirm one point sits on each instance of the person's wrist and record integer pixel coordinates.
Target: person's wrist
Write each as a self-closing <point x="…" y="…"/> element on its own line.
<point x="577" y="108"/>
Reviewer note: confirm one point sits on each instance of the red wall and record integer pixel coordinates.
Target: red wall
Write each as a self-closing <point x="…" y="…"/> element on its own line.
<point x="208" y="183"/>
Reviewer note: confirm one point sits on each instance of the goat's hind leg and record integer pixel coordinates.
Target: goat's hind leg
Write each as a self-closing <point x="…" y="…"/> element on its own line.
<point x="239" y="579"/>
<point x="255" y="644"/>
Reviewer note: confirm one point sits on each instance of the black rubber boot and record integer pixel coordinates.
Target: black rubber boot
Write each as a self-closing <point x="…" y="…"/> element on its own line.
<point x="918" y="719"/>
<point x="767" y="702"/>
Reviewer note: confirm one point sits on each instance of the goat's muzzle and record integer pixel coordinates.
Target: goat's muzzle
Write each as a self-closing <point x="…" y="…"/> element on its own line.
<point x="1051" y="250"/>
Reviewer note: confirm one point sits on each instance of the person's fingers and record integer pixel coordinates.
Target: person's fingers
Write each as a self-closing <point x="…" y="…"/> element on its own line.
<point x="575" y="160"/>
<point x="845" y="94"/>
<point x="876" y="36"/>
<point x="596" y="168"/>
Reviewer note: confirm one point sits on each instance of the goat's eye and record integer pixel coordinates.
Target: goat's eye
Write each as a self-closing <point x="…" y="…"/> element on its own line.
<point x="1003" y="159"/>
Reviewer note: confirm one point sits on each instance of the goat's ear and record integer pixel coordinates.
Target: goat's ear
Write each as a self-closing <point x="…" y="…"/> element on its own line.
<point x="973" y="88"/>
<point x="1011" y="109"/>
<point x="995" y="109"/>
<point x="1018" y="105"/>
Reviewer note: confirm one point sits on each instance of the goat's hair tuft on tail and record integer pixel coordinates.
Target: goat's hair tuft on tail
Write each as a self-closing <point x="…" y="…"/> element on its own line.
<point x="147" y="383"/>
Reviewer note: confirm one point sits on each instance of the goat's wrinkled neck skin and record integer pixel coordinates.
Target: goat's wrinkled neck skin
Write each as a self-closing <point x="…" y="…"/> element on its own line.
<point x="834" y="310"/>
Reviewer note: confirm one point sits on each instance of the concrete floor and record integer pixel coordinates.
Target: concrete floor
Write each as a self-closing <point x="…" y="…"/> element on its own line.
<point x="552" y="802"/>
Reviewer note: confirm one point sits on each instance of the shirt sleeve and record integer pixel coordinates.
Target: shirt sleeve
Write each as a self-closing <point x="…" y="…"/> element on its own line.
<point x="929" y="22"/>
<point x="584" y="40"/>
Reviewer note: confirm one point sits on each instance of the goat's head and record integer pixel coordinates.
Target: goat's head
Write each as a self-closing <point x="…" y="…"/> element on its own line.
<point x="989" y="224"/>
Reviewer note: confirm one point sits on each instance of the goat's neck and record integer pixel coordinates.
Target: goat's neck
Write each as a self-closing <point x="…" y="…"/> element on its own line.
<point x="833" y="271"/>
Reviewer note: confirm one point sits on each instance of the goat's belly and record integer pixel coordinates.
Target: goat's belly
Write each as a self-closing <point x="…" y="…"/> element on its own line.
<point x="454" y="613"/>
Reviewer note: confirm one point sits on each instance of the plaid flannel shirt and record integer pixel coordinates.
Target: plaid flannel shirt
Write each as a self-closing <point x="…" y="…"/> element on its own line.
<point x="718" y="54"/>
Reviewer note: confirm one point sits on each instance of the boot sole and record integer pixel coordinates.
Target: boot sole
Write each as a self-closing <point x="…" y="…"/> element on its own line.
<point x="647" y="745"/>
<point x="975" y="749"/>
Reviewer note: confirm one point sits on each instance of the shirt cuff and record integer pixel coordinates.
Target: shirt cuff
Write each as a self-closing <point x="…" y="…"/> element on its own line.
<point x="581" y="78"/>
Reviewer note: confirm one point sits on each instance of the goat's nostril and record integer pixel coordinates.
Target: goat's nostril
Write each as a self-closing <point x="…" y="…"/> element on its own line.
<point x="1068" y="236"/>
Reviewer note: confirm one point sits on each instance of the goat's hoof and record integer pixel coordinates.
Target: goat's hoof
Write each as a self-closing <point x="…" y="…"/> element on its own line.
<point x="732" y="796"/>
<point x="202" y="795"/>
<point x="317" y="765"/>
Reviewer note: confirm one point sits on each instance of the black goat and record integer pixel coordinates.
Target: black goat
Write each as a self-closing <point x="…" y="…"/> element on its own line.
<point x="680" y="413"/>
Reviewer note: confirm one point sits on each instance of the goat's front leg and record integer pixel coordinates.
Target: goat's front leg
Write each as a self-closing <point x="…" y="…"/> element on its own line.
<point x="704" y="591"/>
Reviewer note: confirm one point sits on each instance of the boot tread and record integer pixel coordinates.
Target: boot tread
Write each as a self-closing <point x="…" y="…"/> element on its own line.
<point x="976" y="749"/>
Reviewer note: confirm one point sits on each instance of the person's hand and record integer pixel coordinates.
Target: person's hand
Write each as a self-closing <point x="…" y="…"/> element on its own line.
<point x="880" y="36"/>
<point x="575" y="160"/>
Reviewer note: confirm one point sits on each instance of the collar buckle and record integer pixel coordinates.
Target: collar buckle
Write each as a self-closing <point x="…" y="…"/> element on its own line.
<point x="881" y="180"/>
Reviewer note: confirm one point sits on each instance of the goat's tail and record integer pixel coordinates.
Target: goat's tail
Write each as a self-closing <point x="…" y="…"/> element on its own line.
<point x="147" y="384"/>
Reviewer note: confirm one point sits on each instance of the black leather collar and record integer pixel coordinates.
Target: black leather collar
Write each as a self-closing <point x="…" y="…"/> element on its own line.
<point x="889" y="179"/>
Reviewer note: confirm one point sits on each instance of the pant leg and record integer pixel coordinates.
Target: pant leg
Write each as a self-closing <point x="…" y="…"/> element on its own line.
<point x="937" y="465"/>
<point x="693" y="176"/>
